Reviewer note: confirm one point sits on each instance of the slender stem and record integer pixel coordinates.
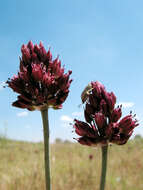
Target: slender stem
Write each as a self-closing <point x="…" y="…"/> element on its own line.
<point x="104" y="167"/>
<point x="45" y="120"/>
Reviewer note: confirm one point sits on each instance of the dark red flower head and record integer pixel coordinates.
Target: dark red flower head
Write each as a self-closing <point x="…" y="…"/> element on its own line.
<point x="41" y="81"/>
<point x="103" y="124"/>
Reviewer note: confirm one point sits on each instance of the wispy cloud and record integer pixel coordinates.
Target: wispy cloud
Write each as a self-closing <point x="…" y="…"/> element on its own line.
<point x="126" y="104"/>
<point x="2" y="84"/>
<point x="27" y="126"/>
<point x="77" y="114"/>
<point x="66" y="118"/>
<point x="22" y="114"/>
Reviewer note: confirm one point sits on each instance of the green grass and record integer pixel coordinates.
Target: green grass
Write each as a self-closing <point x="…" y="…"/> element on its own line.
<point x="22" y="166"/>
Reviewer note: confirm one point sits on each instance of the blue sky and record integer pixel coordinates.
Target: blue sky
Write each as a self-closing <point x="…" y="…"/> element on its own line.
<point x="97" y="40"/>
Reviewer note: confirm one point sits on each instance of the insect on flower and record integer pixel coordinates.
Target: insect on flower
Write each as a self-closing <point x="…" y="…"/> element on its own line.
<point x="103" y="120"/>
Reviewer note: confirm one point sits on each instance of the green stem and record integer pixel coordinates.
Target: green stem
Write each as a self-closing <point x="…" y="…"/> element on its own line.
<point x="45" y="120"/>
<point x="104" y="167"/>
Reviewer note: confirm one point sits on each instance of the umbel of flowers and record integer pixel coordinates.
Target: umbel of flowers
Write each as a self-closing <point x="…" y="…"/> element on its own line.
<point x="41" y="84"/>
<point x="41" y="81"/>
<point x="103" y="120"/>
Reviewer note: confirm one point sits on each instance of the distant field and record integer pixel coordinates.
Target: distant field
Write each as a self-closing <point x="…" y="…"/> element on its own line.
<point x="22" y="166"/>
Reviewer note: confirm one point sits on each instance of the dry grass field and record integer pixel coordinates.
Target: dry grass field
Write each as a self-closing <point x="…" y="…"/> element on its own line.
<point x="22" y="166"/>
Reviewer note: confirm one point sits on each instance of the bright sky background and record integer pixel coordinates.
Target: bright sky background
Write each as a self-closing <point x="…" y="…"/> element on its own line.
<point x="97" y="40"/>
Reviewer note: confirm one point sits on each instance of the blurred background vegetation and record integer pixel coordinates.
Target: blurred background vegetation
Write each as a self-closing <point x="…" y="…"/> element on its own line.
<point x="73" y="167"/>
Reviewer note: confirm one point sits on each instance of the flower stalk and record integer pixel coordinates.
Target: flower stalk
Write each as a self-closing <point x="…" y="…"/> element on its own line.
<point x="45" y="120"/>
<point x="104" y="167"/>
<point x="41" y="83"/>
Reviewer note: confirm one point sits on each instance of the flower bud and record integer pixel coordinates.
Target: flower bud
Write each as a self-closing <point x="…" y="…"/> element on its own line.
<point x="100" y="120"/>
<point x="37" y="72"/>
<point x="116" y="114"/>
<point x="83" y="129"/>
<point x="97" y="89"/>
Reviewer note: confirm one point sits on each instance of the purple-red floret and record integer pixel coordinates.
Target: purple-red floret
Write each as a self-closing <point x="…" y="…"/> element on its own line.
<point x="116" y="114"/>
<point x="41" y="81"/>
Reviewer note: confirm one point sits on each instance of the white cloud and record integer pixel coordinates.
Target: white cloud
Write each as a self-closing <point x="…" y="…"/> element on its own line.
<point x="77" y="114"/>
<point x="27" y="126"/>
<point x="66" y="118"/>
<point x="126" y="104"/>
<point x="22" y="114"/>
<point x="2" y="84"/>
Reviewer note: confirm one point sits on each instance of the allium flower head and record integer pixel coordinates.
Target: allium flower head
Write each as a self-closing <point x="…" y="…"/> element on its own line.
<point x="103" y="124"/>
<point x="41" y="81"/>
